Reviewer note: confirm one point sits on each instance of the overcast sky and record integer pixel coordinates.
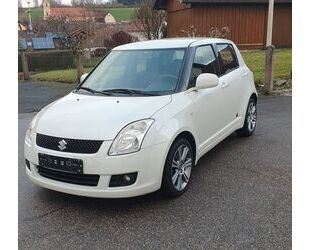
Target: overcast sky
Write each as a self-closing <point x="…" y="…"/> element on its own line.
<point x="24" y="2"/>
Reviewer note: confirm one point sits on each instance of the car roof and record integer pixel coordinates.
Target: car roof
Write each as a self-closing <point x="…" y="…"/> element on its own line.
<point x="168" y="43"/>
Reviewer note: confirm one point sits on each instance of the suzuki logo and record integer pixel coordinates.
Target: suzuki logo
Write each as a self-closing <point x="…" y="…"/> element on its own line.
<point x="62" y="145"/>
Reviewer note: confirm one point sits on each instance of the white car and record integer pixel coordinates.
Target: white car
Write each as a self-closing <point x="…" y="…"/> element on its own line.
<point x="141" y="120"/>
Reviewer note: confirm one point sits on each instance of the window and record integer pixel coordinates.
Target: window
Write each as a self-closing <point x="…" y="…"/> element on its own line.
<point x="227" y="58"/>
<point x="151" y="70"/>
<point x="204" y="62"/>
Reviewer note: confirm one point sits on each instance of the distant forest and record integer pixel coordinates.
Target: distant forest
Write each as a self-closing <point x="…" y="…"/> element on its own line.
<point x="129" y="2"/>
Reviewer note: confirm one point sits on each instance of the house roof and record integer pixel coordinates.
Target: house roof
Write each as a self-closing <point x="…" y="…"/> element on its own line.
<point x="72" y="12"/>
<point x="161" y="4"/>
<point x="22" y="26"/>
<point x="132" y="27"/>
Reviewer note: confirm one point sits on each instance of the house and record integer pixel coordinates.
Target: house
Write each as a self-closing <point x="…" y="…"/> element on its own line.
<point x="71" y="13"/>
<point x="76" y="13"/>
<point x="135" y="29"/>
<point x="246" y="19"/>
<point x="109" y="19"/>
<point x="22" y="26"/>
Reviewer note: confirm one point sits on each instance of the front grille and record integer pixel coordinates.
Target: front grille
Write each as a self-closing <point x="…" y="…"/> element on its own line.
<point x="80" y="179"/>
<point x="68" y="145"/>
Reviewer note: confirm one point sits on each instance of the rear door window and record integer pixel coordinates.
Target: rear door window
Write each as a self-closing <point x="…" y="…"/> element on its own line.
<point x="227" y="58"/>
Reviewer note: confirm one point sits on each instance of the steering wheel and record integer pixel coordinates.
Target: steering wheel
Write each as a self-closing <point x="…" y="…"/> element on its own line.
<point x="159" y="81"/>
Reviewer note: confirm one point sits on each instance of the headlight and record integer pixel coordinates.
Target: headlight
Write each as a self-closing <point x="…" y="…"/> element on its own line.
<point x="130" y="138"/>
<point x="30" y="130"/>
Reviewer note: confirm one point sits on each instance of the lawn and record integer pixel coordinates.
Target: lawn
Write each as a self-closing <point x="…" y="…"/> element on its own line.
<point x="122" y="14"/>
<point x="66" y="76"/>
<point x="255" y="59"/>
<point x="36" y="14"/>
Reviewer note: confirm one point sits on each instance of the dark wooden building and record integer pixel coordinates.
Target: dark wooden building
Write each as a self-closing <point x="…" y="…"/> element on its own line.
<point x="246" y="19"/>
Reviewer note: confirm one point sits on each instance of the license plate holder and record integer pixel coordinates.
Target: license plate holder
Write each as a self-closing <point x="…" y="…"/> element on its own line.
<point x="63" y="164"/>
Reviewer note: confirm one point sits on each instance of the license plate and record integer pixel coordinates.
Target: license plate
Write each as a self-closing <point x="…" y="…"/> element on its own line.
<point x="61" y="164"/>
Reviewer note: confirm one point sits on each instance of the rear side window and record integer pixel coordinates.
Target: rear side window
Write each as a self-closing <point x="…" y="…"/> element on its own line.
<point x="204" y="62"/>
<point x="227" y="58"/>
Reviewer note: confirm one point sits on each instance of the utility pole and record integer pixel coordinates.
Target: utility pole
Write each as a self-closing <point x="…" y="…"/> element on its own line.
<point x="29" y="14"/>
<point x="269" y="62"/>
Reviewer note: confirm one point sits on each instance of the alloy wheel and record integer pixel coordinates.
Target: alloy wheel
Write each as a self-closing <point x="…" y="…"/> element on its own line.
<point x="252" y="113"/>
<point x="181" y="167"/>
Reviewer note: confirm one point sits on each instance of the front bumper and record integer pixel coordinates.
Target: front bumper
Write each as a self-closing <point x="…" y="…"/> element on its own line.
<point x="148" y="162"/>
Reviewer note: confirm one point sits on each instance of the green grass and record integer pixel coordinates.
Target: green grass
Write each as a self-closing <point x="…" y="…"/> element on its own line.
<point x="122" y="14"/>
<point x="65" y="76"/>
<point x="255" y="60"/>
<point x="36" y="14"/>
<point x="91" y="62"/>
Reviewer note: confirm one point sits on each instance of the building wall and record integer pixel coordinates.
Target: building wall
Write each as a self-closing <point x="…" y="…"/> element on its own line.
<point x="247" y="22"/>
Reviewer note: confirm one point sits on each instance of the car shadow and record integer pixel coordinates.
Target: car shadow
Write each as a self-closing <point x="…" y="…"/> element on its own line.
<point x="149" y="200"/>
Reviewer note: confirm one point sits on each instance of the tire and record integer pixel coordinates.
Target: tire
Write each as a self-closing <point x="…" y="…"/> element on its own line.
<point x="250" y="119"/>
<point x="177" y="169"/>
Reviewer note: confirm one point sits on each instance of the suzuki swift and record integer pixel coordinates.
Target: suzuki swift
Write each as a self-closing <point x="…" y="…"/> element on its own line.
<point x="142" y="118"/>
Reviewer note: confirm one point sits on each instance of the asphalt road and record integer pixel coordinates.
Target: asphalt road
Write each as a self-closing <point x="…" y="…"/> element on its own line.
<point x="239" y="197"/>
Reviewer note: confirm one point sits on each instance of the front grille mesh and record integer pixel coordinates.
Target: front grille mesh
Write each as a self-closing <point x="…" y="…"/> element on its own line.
<point x="71" y="145"/>
<point x="79" y="179"/>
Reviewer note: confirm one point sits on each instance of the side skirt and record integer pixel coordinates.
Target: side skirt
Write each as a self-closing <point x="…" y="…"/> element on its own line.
<point x="218" y="137"/>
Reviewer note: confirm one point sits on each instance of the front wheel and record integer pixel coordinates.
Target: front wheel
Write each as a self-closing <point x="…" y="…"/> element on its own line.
<point x="250" y="119"/>
<point x="178" y="167"/>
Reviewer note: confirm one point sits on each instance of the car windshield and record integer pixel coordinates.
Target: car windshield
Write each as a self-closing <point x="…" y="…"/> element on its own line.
<point x="139" y="71"/>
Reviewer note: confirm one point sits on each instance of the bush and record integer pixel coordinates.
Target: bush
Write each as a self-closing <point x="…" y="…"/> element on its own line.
<point x="223" y="32"/>
<point x="119" y="38"/>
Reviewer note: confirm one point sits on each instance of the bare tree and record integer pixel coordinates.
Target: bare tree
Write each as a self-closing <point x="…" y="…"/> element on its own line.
<point x="74" y="34"/>
<point x="152" y="21"/>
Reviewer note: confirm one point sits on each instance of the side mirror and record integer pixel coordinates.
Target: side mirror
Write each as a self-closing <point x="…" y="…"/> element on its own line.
<point x="83" y="77"/>
<point x="207" y="80"/>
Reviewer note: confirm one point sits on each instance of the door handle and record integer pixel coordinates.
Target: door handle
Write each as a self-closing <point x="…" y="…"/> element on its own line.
<point x="245" y="74"/>
<point x="224" y="85"/>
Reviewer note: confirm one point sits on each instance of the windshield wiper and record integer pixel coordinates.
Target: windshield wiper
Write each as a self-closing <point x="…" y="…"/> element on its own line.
<point x="129" y="91"/>
<point x="92" y="90"/>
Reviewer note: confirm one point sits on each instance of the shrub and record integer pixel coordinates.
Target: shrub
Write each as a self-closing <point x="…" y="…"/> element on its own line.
<point x="119" y="38"/>
<point x="223" y="32"/>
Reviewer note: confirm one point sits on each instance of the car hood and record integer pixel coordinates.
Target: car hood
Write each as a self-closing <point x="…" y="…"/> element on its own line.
<point x="92" y="117"/>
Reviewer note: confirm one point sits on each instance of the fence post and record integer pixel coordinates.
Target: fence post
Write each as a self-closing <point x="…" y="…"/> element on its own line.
<point x="79" y="65"/>
<point x="25" y="65"/>
<point x="269" y="65"/>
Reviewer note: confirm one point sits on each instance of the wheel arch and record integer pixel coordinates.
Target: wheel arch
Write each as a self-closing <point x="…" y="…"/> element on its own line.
<point x="254" y="96"/>
<point x="190" y="137"/>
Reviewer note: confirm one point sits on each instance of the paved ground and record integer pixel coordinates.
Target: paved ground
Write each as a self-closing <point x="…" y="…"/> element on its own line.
<point x="239" y="198"/>
<point x="34" y="96"/>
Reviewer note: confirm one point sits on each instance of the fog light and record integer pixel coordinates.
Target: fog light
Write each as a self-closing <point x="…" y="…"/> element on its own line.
<point x="28" y="164"/>
<point x="121" y="180"/>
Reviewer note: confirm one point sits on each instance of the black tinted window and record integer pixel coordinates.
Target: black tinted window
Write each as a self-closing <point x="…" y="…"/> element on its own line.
<point x="227" y="58"/>
<point x="204" y="62"/>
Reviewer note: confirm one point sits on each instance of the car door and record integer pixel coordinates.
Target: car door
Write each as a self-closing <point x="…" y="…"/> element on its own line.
<point x="208" y="103"/>
<point x="230" y="81"/>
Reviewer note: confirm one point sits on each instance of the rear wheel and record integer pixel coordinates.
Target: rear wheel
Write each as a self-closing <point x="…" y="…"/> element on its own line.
<point x="250" y="119"/>
<point x="178" y="167"/>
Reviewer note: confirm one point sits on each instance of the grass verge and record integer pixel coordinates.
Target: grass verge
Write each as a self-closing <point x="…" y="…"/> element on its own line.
<point x="65" y="76"/>
<point x="255" y="60"/>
